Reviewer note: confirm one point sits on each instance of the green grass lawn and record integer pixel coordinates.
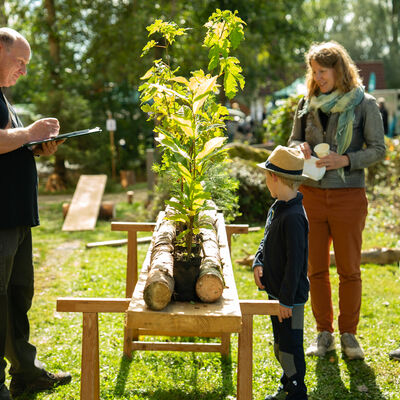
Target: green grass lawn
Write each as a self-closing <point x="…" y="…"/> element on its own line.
<point x="64" y="267"/>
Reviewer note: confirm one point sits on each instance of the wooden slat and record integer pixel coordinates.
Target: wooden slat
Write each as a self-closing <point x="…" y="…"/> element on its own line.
<point x="85" y="205"/>
<point x="187" y="333"/>
<point x="259" y="307"/>
<point x="90" y="305"/>
<point x="133" y="226"/>
<point x="177" y="346"/>
<point x="117" y="242"/>
<point x="237" y="228"/>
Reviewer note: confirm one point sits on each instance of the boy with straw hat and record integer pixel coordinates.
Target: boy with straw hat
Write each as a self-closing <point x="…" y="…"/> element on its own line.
<point x="280" y="267"/>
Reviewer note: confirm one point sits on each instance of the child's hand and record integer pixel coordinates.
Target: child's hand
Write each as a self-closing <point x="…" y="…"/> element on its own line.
<point x="284" y="312"/>
<point x="258" y="273"/>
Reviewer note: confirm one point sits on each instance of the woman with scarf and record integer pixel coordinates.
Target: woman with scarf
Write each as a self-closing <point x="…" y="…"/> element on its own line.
<point x="336" y="111"/>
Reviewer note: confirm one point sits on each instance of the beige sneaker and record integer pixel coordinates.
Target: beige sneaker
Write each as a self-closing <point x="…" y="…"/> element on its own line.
<point x="350" y="347"/>
<point x="324" y="342"/>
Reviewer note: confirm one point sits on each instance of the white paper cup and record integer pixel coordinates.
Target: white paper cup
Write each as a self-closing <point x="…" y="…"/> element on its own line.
<point x="321" y="150"/>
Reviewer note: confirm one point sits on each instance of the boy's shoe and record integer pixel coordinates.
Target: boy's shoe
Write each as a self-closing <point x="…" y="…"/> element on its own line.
<point x="395" y="354"/>
<point x="324" y="342"/>
<point x="279" y="395"/>
<point x="350" y="347"/>
<point x="4" y="393"/>
<point x="43" y="382"/>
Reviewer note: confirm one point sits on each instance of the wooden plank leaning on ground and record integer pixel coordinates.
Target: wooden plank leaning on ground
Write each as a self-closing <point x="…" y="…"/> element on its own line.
<point x="85" y="205"/>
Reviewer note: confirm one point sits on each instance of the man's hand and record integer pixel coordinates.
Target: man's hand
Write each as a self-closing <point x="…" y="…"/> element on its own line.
<point x="258" y="273"/>
<point x="284" y="312"/>
<point x="43" y="129"/>
<point x="47" y="148"/>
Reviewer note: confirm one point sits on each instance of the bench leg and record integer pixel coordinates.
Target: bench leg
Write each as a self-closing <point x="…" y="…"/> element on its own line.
<point x="245" y="359"/>
<point x="225" y="344"/>
<point x="129" y="336"/>
<point x="90" y="375"/>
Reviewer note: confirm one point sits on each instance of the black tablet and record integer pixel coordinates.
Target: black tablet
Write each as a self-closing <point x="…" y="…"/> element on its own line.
<point x="64" y="136"/>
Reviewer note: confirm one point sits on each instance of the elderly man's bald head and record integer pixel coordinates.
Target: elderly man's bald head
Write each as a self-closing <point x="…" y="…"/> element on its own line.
<point x="8" y="37"/>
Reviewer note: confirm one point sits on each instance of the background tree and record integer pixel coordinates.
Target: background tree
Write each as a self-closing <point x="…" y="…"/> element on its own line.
<point x="368" y="29"/>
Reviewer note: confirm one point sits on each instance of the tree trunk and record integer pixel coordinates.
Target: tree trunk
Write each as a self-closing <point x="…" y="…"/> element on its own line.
<point x="3" y="16"/>
<point x="55" y="67"/>
<point x="210" y="283"/>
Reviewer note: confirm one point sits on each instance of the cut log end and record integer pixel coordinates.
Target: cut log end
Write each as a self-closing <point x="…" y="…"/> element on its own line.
<point x="209" y="288"/>
<point x="157" y="295"/>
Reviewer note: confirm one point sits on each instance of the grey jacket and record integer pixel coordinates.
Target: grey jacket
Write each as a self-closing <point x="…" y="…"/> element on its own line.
<point x="366" y="148"/>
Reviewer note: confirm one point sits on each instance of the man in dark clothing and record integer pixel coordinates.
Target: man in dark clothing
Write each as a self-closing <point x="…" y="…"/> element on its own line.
<point x="18" y="202"/>
<point x="280" y="267"/>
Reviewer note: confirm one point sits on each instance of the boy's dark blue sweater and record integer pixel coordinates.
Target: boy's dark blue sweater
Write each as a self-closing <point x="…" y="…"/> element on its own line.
<point x="283" y="252"/>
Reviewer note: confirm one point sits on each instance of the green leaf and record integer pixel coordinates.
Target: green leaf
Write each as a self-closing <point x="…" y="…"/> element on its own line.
<point x="201" y="93"/>
<point x="150" y="44"/>
<point x="185" y="124"/>
<point x="210" y="146"/>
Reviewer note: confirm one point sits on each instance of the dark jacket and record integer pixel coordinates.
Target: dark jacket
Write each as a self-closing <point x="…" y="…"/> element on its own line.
<point x="283" y="252"/>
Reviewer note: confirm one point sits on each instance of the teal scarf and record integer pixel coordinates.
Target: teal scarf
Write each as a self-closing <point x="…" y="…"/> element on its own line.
<point x="337" y="102"/>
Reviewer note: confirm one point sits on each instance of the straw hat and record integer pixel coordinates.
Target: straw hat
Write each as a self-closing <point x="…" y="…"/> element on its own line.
<point x="286" y="162"/>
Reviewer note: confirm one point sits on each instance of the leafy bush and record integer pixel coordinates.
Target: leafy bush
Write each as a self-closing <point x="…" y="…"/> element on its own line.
<point x="279" y="123"/>
<point x="254" y="197"/>
<point x="386" y="173"/>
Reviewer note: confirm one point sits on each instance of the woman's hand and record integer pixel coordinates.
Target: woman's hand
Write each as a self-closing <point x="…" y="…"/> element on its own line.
<point x="333" y="161"/>
<point x="305" y="149"/>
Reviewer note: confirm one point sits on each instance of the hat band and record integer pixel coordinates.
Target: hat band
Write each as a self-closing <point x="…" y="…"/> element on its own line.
<point x="273" y="167"/>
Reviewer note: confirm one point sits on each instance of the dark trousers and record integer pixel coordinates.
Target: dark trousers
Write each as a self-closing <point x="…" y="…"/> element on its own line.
<point x="289" y="351"/>
<point x="16" y="293"/>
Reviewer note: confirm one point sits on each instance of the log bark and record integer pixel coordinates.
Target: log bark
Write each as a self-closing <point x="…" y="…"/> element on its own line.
<point x="160" y="282"/>
<point x="106" y="212"/>
<point x="380" y="256"/>
<point x="210" y="283"/>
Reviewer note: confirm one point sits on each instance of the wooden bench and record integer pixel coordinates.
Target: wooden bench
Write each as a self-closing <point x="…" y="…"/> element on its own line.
<point x="90" y="364"/>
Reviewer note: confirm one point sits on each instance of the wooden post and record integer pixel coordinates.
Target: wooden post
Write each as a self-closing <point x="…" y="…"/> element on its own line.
<point x="245" y="344"/>
<point x="235" y="228"/>
<point x="111" y="127"/>
<point x="245" y="360"/>
<point x="90" y="375"/>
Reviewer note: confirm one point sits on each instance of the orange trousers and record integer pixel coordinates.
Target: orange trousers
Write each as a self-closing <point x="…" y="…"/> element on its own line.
<point x="338" y="216"/>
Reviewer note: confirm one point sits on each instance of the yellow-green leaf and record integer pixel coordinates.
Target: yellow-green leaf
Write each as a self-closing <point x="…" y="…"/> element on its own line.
<point x="210" y="146"/>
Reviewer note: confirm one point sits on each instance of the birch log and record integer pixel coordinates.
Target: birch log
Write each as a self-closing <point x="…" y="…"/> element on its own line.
<point x="160" y="281"/>
<point x="210" y="283"/>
